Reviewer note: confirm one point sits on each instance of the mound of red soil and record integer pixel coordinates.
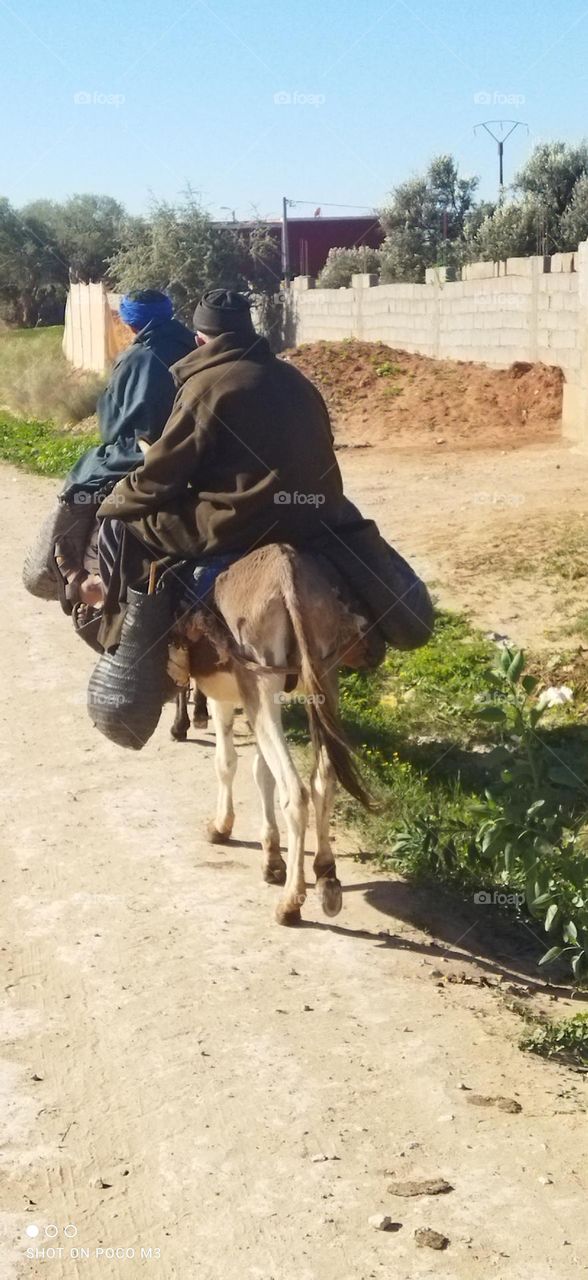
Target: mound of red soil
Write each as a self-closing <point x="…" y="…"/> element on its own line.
<point x="379" y="396"/>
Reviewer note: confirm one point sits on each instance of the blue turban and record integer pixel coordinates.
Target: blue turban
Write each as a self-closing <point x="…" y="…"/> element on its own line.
<point x="138" y="309"/>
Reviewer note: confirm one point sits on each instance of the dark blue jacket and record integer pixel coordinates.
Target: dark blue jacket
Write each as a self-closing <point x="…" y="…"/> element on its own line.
<point x="135" y="405"/>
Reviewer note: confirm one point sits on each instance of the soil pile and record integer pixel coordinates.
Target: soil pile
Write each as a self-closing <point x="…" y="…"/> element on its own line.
<point x="380" y="396"/>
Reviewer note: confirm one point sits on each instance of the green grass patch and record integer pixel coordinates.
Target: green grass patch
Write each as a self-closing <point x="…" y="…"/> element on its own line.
<point x="41" y="446"/>
<point x="413" y="723"/>
<point x="480" y="785"/>
<point x="566" y="1040"/>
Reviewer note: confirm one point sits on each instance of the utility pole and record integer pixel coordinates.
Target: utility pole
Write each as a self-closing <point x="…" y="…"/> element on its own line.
<point x="285" y="243"/>
<point x="514" y="124"/>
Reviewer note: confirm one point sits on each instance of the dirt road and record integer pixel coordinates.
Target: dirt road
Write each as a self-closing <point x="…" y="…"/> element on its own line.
<point x="180" y="1075"/>
<point x="477" y="523"/>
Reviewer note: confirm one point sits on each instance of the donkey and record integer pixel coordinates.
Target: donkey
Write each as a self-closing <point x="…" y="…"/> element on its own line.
<point x="277" y="625"/>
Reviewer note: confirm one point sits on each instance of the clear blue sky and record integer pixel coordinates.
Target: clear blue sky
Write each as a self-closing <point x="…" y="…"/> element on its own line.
<point x="185" y="92"/>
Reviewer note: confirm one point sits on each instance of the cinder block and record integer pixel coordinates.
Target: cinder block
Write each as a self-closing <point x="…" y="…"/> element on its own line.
<point x="563" y="339"/>
<point x="562" y="262"/>
<point x="479" y="271"/>
<point x="364" y="280"/>
<point x="527" y="266"/>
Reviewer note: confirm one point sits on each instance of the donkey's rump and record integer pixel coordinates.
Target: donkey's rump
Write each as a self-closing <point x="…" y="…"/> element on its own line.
<point x="251" y="596"/>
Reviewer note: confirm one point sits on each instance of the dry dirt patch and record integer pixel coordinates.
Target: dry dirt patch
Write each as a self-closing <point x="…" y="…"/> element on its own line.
<point x="380" y="396"/>
<point x="500" y="534"/>
<point x="173" y="1062"/>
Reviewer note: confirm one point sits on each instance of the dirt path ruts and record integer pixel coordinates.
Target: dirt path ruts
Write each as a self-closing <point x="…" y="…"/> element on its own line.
<point x="172" y="1061"/>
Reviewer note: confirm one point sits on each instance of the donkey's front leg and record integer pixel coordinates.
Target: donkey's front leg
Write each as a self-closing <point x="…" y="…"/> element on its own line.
<point x="181" y="724"/>
<point x="223" y="714"/>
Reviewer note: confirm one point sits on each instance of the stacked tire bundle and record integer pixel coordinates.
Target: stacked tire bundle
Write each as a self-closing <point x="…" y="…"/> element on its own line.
<point x="128" y="688"/>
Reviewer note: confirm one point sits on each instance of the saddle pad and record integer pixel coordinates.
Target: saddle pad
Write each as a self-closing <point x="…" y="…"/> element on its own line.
<point x="199" y="577"/>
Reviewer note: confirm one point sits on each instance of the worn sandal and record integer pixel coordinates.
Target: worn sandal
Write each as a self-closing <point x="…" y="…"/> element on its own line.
<point x="86" y="621"/>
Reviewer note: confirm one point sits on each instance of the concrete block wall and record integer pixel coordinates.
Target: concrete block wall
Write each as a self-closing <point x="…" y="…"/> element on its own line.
<point x="530" y="309"/>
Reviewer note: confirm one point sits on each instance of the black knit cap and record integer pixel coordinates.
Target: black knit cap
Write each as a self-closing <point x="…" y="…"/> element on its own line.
<point x="224" y="311"/>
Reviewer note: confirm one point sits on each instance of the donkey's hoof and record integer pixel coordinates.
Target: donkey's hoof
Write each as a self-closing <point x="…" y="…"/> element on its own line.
<point x="178" y="735"/>
<point x="200" y="722"/>
<point x="215" y="836"/>
<point x="275" y="874"/>
<point x="330" y="895"/>
<point x="288" y="915"/>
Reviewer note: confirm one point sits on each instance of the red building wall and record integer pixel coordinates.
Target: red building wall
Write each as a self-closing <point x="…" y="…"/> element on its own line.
<point x="309" y="240"/>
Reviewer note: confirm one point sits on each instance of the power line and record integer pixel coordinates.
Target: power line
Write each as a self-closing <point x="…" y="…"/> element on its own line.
<point x="324" y="204"/>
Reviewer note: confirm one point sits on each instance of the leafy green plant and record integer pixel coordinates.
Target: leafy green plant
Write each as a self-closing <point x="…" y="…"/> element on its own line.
<point x="565" y="1040"/>
<point x="386" y="369"/>
<point x="531" y="827"/>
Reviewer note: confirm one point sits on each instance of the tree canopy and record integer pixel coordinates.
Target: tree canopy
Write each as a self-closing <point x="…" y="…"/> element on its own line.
<point x="179" y="249"/>
<point x="433" y="218"/>
<point x="427" y="221"/>
<point x="176" y="247"/>
<point x="546" y="210"/>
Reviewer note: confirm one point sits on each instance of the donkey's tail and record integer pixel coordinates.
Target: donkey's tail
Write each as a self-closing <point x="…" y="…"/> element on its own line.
<point x="323" y="714"/>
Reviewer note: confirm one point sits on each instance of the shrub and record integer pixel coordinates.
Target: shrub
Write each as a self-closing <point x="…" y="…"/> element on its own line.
<point x="342" y="264"/>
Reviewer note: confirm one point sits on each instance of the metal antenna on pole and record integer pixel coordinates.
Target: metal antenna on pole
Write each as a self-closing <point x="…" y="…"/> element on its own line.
<point x="514" y="124"/>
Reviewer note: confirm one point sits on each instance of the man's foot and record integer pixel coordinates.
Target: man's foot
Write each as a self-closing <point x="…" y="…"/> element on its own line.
<point x="86" y="621"/>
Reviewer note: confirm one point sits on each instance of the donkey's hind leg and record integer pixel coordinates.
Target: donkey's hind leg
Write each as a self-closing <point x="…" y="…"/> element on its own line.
<point x="322" y="790"/>
<point x="223" y="714"/>
<point x="262" y="702"/>
<point x="274" y="867"/>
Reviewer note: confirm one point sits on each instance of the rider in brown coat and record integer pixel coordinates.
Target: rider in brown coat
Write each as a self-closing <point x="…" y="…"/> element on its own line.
<point x="246" y="458"/>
